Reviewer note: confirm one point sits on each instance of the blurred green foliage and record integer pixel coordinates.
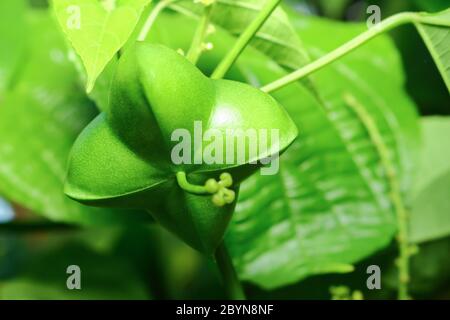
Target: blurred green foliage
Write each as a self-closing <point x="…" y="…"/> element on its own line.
<point x="146" y="262"/>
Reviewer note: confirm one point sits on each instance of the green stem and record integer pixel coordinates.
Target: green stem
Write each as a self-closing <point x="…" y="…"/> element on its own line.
<point x="196" y="48"/>
<point x="244" y="39"/>
<point x="188" y="187"/>
<point x="159" y="7"/>
<point x="231" y="282"/>
<point x="395" y="193"/>
<point x="384" y="26"/>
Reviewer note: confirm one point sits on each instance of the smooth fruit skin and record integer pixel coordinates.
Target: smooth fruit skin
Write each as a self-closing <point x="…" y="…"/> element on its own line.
<point x="122" y="159"/>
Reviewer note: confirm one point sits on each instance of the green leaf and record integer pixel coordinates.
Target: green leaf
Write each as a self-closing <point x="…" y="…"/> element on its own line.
<point x="430" y="218"/>
<point x="329" y="205"/>
<point x="435" y="32"/>
<point x="103" y="276"/>
<point x="98" y="29"/>
<point x="276" y="38"/>
<point x="39" y="121"/>
<point x="12" y="40"/>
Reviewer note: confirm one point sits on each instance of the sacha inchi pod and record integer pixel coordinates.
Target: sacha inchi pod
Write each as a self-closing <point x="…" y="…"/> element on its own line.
<point x="123" y="158"/>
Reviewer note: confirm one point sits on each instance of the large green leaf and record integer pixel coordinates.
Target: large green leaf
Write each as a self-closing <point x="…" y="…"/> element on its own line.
<point x="12" y="40"/>
<point x="102" y="29"/>
<point x="329" y="206"/>
<point x="430" y="213"/>
<point x="39" y="121"/>
<point x="437" y="39"/>
<point x="276" y="38"/>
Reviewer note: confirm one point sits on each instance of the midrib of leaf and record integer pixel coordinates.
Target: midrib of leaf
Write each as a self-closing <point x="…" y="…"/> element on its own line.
<point x="104" y="31"/>
<point x="94" y="65"/>
<point x="395" y="195"/>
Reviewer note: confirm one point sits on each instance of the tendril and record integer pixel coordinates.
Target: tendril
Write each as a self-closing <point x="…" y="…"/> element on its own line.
<point x="221" y="194"/>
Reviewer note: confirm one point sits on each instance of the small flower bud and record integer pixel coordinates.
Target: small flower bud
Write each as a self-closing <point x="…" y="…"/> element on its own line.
<point x="228" y="196"/>
<point x="226" y="180"/>
<point x="218" y="199"/>
<point x="211" y="186"/>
